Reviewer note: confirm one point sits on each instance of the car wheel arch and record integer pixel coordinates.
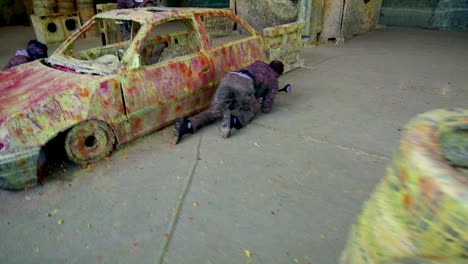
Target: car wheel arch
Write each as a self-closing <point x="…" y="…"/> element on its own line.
<point x="57" y="140"/>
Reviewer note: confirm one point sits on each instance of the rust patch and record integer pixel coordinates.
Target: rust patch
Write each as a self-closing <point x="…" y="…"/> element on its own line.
<point x="137" y="123"/>
<point x="403" y="175"/>
<point x="427" y="185"/>
<point x="407" y="201"/>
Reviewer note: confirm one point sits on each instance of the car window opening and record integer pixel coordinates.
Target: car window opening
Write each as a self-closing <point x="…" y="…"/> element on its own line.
<point x="168" y="41"/>
<point x="156" y="10"/>
<point x="223" y="30"/>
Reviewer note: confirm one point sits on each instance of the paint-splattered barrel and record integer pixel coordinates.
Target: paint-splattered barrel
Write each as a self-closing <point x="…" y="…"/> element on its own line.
<point x="86" y="11"/>
<point x="43" y="7"/>
<point x="86" y="14"/>
<point x="419" y="211"/>
<point x="65" y="6"/>
<point x="84" y="2"/>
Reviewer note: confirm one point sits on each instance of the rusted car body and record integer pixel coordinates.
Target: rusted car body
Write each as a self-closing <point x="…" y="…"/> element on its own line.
<point x="108" y="95"/>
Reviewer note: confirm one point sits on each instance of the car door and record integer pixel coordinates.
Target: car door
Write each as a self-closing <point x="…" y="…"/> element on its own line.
<point x="172" y="76"/>
<point x="233" y="43"/>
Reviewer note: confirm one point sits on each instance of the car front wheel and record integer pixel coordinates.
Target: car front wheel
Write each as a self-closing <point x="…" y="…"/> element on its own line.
<point x="89" y="141"/>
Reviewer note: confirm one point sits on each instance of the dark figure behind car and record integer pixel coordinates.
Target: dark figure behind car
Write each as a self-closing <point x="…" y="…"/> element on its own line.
<point x="244" y="87"/>
<point x="34" y="51"/>
<point x="126" y="4"/>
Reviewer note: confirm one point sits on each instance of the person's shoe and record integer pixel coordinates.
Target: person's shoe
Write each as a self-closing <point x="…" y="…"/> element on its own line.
<point x="226" y="126"/>
<point x="229" y="121"/>
<point x="181" y="127"/>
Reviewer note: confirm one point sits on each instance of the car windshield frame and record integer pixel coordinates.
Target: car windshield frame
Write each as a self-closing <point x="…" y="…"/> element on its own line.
<point x="65" y="59"/>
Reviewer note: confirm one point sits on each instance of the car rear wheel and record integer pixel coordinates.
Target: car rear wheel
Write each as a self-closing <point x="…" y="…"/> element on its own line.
<point x="89" y="141"/>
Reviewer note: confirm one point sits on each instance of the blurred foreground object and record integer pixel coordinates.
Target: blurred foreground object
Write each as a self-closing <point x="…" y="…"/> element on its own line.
<point x="419" y="212"/>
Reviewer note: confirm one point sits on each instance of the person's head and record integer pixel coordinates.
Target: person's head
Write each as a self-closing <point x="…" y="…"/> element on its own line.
<point x="277" y="66"/>
<point x="36" y="50"/>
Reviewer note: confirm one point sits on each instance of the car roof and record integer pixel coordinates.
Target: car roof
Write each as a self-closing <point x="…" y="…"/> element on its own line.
<point x="153" y="14"/>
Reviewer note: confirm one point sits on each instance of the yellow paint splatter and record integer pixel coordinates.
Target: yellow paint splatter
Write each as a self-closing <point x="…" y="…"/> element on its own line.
<point x="195" y="204"/>
<point x="247" y="253"/>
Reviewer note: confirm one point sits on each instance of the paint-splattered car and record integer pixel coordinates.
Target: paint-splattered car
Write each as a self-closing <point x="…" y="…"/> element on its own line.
<point x="109" y="91"/>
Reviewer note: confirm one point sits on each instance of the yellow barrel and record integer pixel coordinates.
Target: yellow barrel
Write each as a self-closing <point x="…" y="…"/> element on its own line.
<point x="65" y="6"/>
<point x="419" y="211"/>
<point x="84" y="4"/>
<point x="43" y="7"/>
<point x="86" y="13"/>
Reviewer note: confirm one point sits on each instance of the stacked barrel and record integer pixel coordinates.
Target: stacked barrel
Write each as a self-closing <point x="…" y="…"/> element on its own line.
<point x="55" y="20"/>
<point x="44" y="7"/>
<point x="65" y="6"/>
<point x="86" y="11"/>
<point x="85" y="8"/>
<point x="48" y="7"/>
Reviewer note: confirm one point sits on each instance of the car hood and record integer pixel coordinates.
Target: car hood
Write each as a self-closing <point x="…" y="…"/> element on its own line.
<point x="26" y="85"/>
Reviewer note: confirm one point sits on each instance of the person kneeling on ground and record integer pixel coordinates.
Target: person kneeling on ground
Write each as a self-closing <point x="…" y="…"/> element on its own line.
<point x="34" y="51"/>
<point x="244" y="87"/>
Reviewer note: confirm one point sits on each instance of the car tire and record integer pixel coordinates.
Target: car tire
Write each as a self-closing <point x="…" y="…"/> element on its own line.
<point x="89" y="142"/>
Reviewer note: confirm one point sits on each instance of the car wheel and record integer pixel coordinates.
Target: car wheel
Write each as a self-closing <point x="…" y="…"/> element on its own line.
<point x="89" y="141"/>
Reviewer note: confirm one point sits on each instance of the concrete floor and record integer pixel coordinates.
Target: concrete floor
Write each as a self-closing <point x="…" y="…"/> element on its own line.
<point x="287" y="188"/>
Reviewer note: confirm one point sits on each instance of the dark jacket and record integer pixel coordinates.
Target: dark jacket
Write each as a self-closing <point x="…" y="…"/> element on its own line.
<point x="20" y="58"/>
<point x="124" y="4"/>
<point x="266" y="83"/>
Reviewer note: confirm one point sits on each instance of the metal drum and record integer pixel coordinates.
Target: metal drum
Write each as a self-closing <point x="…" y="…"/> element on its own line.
<point x="65" y="6"/>
<point x="86" y="11"/>
<point x="43" y="7"/>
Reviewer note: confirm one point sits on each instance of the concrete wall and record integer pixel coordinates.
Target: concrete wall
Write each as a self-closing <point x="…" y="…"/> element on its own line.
<point x="435" y="14"/>
<point x="354" y="18"/>
<point x="266" y="13"/>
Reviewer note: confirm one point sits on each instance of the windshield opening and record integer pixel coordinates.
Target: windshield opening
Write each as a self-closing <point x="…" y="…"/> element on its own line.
<point x="105" y="51"/>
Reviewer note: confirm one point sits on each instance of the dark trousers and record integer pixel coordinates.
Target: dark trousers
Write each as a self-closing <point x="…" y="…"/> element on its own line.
<point x="231" y="88"/>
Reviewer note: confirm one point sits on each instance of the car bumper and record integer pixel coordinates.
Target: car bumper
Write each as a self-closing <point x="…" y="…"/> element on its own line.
<point x="19" y="170"/>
